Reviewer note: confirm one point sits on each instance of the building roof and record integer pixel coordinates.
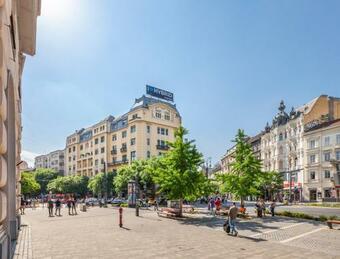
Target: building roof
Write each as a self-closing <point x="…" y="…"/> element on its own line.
<point x="145" y="101"/>
<point x="323" y="125"/>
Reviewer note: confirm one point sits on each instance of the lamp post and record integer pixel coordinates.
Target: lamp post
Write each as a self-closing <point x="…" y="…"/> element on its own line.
<point x="105" y="181"/>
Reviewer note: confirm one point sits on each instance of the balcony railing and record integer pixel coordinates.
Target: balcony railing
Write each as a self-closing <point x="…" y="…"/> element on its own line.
<point x="120" y="162"/>
<point x="123" y="149"/>
<point x="113" y="151"/>
<point x="162" y="147"/>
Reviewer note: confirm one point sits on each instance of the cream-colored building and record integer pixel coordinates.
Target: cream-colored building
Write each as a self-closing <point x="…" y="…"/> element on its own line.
<point x="322" y="162"/>
<point x="139" y="134"/>
<point x="282" y="145"/>
<point x="54" y="160"/>
<point x="18" y="21"/>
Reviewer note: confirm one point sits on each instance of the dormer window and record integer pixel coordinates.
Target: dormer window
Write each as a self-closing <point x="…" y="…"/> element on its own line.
<point x="158" y="114"/>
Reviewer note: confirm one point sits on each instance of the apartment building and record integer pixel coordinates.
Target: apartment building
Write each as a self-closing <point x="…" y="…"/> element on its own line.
<point x="140" y="133"/>
<point x="322" y="162"/>
<point x="54" y="160"/>
<point x="17" y="38"/>
<point x="283" y="147"/>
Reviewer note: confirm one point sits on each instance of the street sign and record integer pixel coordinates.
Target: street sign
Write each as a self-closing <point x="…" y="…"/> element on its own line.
<point x="159" y="93"/>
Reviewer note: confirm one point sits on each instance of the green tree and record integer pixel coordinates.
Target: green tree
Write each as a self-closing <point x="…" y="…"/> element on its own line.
<point x="269" y="183"/>
<point x="138" y="170"/>
<point x="29" y="185"/>
<point x="245" y="173"/>
<point x="69" y="184"/>
<point x="43" y="176"/>
<point x="178" y="172"/>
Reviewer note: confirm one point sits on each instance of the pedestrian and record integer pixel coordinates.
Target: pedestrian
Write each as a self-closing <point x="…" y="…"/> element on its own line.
<point x="258" y="209"/>
<point x="263" y="207"/>
<point x="50" y="207"/>
<point x="22" y="206"/>
<point x="272" y="208"/>
<point x="218" y="204"/>
<point x="34" y="202"/>
<point x="69" y="205"/>
<point x="212" y="206"/>
<point x="232" y="219"/>
<point x="74" y="203"/>
<point x="57" y="207"/>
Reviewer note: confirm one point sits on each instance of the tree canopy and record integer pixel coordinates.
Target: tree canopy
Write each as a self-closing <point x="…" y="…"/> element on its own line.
<point x="245" y="170"/>
<point x="178" y="172"/>
<point x="29" y="186"/>
<point x="97" y="183"/>
<point x="69" y="184"/>
<point x="43" y="176"/>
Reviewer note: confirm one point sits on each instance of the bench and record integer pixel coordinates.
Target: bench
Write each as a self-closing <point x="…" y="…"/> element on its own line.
<point x="331" y="222"/>
<point x="169" y="212"/>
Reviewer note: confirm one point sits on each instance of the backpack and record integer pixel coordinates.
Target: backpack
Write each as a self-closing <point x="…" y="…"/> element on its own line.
<point x="226" y="226"/>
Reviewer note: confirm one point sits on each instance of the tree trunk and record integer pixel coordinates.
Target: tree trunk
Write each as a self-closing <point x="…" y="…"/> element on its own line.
<point x="242" y="202"/>
<point x="180" y="207"/>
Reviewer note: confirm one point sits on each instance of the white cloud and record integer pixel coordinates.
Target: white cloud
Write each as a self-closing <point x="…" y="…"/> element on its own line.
<point x="28" y="157"/>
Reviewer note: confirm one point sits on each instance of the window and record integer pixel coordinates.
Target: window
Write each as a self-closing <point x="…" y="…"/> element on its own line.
<point x="280" y="137"/>
<point x="327" y="193"/>
<point x="102" y="161"/>
<point x="124" y="158"/>
<point x="158" y="114"/>
<point x="124" y="134"/>
<point x="148" y="154"/>
<point x="167" y="116"/>
<point x="148" y="129"/>
<point x="133" y="141"/>
<point x="114" y="137"/>
<point x="113" y="159"/>
<point x="134" y="116"/>
<point x="327" y="156"/>
<point x="158" y="130"/>
<point x="166" y="132"/>
<point x="96" y="152"/>
<point x="133" y="129"/>
<point x="102" y="150"/>
<point x="312" y="175"/>
<point x="96" y="141"/>
<point x="161" y="143"/>
<point x="74" y="158"/>
<point x="133" y="155"/>
<point x="81" y="147"/>
<point x="148" y="141"/>
<point x="162" y="131"/>
<point x="74" y="149"/>
<point x="312" y="144"/>
<point x="70" y="150"/>
<point x="327" y="140"/>
<point x="327" y="174"/>
<point x="102" y="139"/>
<point x="312" y="158"/>
<point x="338" y="139"/>
<point x="69" y="159"/>
<point x="337" y="155"/>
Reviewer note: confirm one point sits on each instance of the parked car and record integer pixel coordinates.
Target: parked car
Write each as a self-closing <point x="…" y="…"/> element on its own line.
<point x="117" y="201"/>
<point x="91" y="202"/>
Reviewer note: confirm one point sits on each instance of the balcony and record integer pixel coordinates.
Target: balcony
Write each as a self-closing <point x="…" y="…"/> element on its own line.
<point x="162" y="147"/>
<point x="123" y="149"/>
<point x="114" y="152"/>
<point x="120" y="162"/>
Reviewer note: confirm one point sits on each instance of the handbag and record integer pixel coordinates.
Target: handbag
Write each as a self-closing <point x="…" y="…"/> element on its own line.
<point x="226" y="226"/>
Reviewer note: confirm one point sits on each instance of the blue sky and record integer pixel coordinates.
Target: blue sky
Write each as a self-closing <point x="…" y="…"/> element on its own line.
<point x="229" y="63"/>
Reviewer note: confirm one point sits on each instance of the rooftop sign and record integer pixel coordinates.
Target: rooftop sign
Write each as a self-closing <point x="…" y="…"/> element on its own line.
<point x="159" y="93"/>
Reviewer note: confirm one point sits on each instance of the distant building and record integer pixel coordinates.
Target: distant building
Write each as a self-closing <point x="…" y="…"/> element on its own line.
<point x="54" y="160"/>
<point x="141" y="133"/>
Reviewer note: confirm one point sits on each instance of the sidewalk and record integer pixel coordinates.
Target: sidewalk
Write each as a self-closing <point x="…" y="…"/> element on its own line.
<point x="96" y="234"/>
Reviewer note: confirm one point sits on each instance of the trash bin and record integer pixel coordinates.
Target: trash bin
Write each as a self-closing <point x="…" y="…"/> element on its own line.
<point x="83" y="207"/>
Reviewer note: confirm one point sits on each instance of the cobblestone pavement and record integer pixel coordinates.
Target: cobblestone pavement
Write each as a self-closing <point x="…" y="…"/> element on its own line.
<point x="96" y="234"/>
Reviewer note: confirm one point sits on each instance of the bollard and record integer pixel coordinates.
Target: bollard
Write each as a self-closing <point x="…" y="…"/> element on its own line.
<point x="120" y="217"/>
<point x="137" y="210"/>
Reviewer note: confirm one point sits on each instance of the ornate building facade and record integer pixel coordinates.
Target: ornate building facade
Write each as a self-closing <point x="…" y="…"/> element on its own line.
<point x="54" y="160"/>
<point x="17" y="37"/>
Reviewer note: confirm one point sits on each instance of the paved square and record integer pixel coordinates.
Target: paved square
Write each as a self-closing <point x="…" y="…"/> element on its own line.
<point x="96" y="234"/>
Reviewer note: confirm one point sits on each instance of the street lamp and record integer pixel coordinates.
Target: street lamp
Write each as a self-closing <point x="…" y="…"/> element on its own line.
<point x="105" y="181"/>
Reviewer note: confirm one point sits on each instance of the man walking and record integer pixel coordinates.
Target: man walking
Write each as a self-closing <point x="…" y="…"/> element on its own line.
<point x="272" y="208"/>
<point x="57" y="207"/>
<point x="232" y="219"/>
<point x="50" y="207"/>
<point x="74" y="204"/>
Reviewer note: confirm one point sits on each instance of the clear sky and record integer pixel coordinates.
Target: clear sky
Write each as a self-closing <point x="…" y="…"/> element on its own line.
<point x="229" y="63"/>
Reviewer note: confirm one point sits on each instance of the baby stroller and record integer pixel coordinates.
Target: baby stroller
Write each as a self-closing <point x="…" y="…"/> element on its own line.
<point x="226" y="226"/>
